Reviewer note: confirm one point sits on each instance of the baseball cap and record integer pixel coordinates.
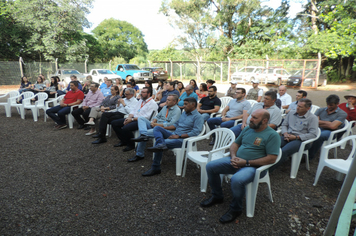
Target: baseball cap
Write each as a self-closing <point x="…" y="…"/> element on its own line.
<point x="255" y="81"/>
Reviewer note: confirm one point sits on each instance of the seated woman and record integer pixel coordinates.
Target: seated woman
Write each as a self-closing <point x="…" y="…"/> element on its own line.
<point x="39" y="86"/>
<point x="86" y="86"/>
<point x="160" y="89"/>
<point x="134" y="86"/>
<point x="103" y="85"/>
<point x="51" y="90"/>
<point x="194" y="84"/>
<point x="108" y="103"/>
<point x="209" y="83"/>
<point x="203" y="91"/>
<point x="25" y="84"/>
<point x="180" y="88"/>
<point x="61" y="84"/>
<point x="119" y="84"/>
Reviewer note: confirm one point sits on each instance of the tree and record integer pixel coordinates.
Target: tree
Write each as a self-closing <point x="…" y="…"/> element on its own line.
<point x="54" y="27"/>
<point x="120" y="39"/>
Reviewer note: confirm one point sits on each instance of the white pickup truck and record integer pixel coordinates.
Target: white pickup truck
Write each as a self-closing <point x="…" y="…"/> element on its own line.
<point x="99" y="74"/>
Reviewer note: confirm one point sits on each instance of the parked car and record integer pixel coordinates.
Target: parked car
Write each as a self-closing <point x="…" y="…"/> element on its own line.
<point x="64" y="74"/>
<point x="277" y="75"/>
<point x="139" y="75"/>
<point x="158" y="73"/>
<point x="248" y="73"/>
<point x="99" y="74"/>
<point x="309" y="81"/>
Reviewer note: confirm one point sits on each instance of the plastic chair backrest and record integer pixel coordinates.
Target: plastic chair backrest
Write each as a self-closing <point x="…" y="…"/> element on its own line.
<point x="252" y="102"/>
<point x="26" y="95"/>
<point x="224" y="102"/>
<point x="41" y="99"/>
<point x="314" y="108"/>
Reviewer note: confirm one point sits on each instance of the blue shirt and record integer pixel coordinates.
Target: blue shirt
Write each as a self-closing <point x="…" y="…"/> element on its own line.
<point x="172" y="117"/>
<point x="165" y="95"/>
<point x="80" y="87"/>
<point x="189" y="123"/>
<point x="103" y="85"/>
<point x="106" y="91"/>
<point x="184" y="96"/>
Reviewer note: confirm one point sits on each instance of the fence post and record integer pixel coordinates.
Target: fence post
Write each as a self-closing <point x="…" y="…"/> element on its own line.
<point x="198" y="70"/>
<point x="56" y="62"/>
<point x="221" y="72"/>
<point x="85" y="66"/>
<point x="171" y="69"/>
<point x="110" y="64"/>
<point x="149" y="63"/>
<point x="318" y="71"/>
<point x="229" y="68"/>
<point x="267" y="66"/>
<point x="20" y="60"/>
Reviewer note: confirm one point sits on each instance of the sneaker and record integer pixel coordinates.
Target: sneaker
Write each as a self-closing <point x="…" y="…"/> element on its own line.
<point x="90" y="123"/>
<point x="62" y="127"/>
<point x="90" y="133"/>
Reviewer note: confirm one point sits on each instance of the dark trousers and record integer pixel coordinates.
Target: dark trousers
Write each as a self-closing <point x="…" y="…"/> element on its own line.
<point x="124" y="132"/>
<point x="58" y="114"/>
<point x="77" y="115"/>
<point x="106" y="118"/>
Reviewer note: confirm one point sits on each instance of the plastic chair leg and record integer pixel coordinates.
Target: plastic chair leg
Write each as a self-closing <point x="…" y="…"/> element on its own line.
<point x="22" y="112"/>
<point x="179" y="161"/>
<point x="318" y="172"/>
<point x="34" y="113"/>
<point x="8" y="110"/>
<point x="250" y="199"/>
<point x="70" y="121"/>
<point x="203" y="179"/>
<point x="295" y="165"/>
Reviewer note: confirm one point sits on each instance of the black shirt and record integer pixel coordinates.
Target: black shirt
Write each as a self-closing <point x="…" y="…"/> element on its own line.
<point x="209" y="104"/>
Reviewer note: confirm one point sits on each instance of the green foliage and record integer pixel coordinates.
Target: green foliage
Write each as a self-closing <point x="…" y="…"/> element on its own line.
<point x="120" y="39"/>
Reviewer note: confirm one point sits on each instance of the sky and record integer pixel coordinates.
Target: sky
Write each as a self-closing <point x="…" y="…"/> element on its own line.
<point x="143" y="14"/>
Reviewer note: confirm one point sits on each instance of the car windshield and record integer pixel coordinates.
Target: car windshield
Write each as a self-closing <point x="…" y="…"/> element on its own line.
<point x="70" y="72"/>
<point x="249" y="70"/>
<point x="131" y="67"/>
<point x="105" y="72"/>
<point x="148" y="69"/>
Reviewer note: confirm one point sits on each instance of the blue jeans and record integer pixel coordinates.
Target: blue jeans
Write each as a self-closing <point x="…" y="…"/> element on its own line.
<point x="161" y="135"/>
<point x="143" y="125"/>
<point x="215" y="121"/>
<point x="237" y="130"/>
<point x="205" y="116"/>
<point x="241" y="177"/>
<point x="60" y="118"/>
<point x="140" y="150"/>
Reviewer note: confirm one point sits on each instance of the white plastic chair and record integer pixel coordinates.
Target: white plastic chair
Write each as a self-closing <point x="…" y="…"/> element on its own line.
<point x="314" y="108"/>
<point x="224" y="102"/>
<point x="349" y="132"/>
<point x="340" y="165"/>
<point x="297" y="157"/>
<point x="252" y="102"/>
<point x="56" y="102"/>
<point x="252" y="188"/>
<point x="223" y="140"/>
<point x="39" y="104"/>
<point x="333" y="137"/>
<point x="13" y="103"/>
<point x="6" y="104"/>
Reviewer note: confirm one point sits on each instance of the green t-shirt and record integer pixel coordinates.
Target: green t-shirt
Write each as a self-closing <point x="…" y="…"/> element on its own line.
<point x="254" y="145"/>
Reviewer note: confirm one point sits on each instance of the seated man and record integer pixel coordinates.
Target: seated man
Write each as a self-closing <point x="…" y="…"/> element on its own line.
<point x="255" y="93"/>
<point x="125" y="106"/>
<point x="298" y="126"/>
<point x="124" y="127"/>
<point x="189" y="92"/>
<point x="72" y="78"/>
<point x="293" y="106"/>
<point x="285" y="98"/>
<point x="210" y="104"/>
<point x="107" y="90"/>
<point x="103" y="85"/>
<point x="232" y="90"/>
<point x="168" y="116"/>
<point x="169" y="90"/>
<point x="349" y="107"/>
<point x="267" y="104"/>
<point x="257" y="145"/>
<point x="189" y="124"/>
<point x="93" y="99"/>
<point x="73" y="97"/>
<point x="330" y="118"/>
<point x="233" y="111"/>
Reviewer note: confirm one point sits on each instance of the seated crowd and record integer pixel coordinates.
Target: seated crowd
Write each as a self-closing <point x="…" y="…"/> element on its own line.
<point x="173" y="112"/>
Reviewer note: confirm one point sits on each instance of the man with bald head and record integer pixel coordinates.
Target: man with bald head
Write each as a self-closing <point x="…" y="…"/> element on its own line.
<point x="189" y="93"/>
<point x="285" y="98"/>
<point x="257" y="145"/>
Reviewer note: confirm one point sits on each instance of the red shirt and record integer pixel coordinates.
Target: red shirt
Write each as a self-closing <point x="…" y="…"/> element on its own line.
<point x="71" y="96"/>
<point x="351" y="114"/>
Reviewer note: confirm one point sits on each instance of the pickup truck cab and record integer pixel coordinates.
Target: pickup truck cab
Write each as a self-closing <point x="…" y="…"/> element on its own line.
<point x="139" y="75"/>
<point x="64" y="74"/>
<point x="99" y="74"/>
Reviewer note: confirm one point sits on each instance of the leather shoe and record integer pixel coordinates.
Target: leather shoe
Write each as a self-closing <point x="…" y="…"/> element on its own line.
<point x="87" y="128"/>
<point x="99" y="140"/>
<point x="120" y="144"/>
<point x="128" y="148"/>
<point x="229" y="216"/>
<point x="96" y="136"/>
<point x="141" y="138"/>
<point x="211" y="202"/>
<point x="80" y="127"/>
<point x="135" y="158"/>
<point x="158" y="148"/>
<point x="151" y="172"/>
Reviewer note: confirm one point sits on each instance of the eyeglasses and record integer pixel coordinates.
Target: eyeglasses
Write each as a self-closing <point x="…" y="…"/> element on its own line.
<point x="127" y="94"/>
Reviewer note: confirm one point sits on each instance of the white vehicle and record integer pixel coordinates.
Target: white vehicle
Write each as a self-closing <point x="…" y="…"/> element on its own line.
<point x="64" y="74"/>
<point x="99" y="74"/>
<point x="277" y="76"/>
<point x="248" y="73"/>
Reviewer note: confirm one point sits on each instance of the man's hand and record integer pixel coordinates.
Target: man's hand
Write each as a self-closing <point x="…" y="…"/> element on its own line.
<point x="289" y="137"/>
<point x="225" y="119"/>
<point x="243" y="125"/>
<point x="85" y="107"/>
<point x="236" y="162"/>
<point x="127" y="121"/>
<point x="121" y="101"/>
<point x="173" y="136"/>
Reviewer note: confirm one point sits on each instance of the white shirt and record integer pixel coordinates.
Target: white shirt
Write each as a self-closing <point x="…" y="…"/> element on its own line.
<point x="144" y="108"/>
<point x="286" y="99"/>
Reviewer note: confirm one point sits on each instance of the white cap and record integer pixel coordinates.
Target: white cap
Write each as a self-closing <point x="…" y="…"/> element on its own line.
<point x="255" y="81"/>
<point x="233" y="82"/>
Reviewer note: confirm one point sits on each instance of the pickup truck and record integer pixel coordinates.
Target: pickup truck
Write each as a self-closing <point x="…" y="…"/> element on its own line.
<point x="99" y="74"/>
<point x="139" y="75"/>
<point x="64" y="74"/>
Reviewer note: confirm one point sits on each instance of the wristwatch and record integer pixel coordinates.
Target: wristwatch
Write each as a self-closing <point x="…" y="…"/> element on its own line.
<point x="247" y="163"/>
<point x="132" y="119"/>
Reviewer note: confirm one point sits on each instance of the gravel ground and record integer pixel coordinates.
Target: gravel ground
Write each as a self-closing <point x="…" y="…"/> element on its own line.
<point x="58" y="183"/>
